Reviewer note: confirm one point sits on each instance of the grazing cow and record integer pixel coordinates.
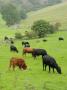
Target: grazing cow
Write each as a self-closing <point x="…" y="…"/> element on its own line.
<point x="17" y="62"/>
<point x="27" y="50"/>
<point x="26" y="44"/>
<point x="38" y="52"/>
<point x="50" y="61"/>
<point x="13" y="48"/>
<point x="23" y="43"/>
<point x="12" y="42"/>
<point x="61" y="38"/>
<point x="6" y="38"/>
<point x="44" y="40"/>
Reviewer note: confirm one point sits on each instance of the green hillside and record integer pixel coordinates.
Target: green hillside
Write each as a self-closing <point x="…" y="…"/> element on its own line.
<point x="56" y="13"/>
<point x="34" y="78"/>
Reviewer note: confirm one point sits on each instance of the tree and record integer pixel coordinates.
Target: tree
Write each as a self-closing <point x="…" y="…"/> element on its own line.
<point x="10" y="14"/>
<point x="40" y="27"/>
<point x="23" y="14"/>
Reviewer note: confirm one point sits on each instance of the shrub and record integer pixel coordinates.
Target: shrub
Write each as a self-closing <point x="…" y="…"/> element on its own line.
<point x="18" y="36"/>
<point x="42" y="28"/>
<point x="30" y="34"/>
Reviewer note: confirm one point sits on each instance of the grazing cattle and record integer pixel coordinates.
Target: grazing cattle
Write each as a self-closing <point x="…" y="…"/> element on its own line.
<point x="61" y="38"/>
<point x="17" y="62"/>
<point x="6" y="38"/>
<point x="26" y="44"/>
<point x="12" y="42"/>
<point x="38" y="52"/>
<point x="13" y="48"/>
<point x="23" y="43"/>
<point x="27" y="50"/>
<point x="50" y="61"/>
<point x="44" y="40"/>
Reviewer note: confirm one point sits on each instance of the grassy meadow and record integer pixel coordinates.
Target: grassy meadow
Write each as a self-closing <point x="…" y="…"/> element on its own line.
<point x="34" y="78"/>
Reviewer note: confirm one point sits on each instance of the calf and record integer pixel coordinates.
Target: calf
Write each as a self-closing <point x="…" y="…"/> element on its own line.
<point x="17" y="62"/>
<point x="23" y="43"/>
<point x="38" y="52"/>
<point x="12" y="42"/>
<point x="13" y="48"/>
<point x="50" y="61"/>
<point x="44" y="40"/>
<point x="6" y="38"/>
<point x="61" y="38"/>
<point x="26" y="44"/>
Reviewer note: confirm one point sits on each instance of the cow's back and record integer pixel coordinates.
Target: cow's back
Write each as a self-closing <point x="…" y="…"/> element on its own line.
<point x="28" y="49"/>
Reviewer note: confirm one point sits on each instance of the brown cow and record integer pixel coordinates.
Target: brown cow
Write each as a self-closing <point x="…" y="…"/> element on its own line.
<point x="18" y="62"/>
<point x="27" y="50"/>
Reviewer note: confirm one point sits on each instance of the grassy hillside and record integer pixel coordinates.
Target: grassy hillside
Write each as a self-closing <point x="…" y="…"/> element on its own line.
<point x="34" y="78"/>
<point x="57" y="13"/>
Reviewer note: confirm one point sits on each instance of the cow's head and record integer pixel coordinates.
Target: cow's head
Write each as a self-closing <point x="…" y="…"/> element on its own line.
<point x="24" y="66"/>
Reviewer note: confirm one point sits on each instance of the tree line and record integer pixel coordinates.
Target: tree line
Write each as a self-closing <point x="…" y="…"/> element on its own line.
<point x="14" y="10"/>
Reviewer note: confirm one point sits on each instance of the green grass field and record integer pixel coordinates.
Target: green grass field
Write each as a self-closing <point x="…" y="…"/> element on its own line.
<point x="34" y="78"/>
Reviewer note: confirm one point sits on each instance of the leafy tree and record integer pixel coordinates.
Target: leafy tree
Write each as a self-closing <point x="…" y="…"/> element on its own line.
<point x="42" y="28"/>
<point x="10" y="14"/>
<point x="23" y="14"/>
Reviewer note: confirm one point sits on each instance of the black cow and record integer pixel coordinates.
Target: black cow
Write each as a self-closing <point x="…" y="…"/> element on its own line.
<point x="61" y="38"/>
<point x="23" y="43"/>
<point x="50" y="61"/>
<point x="38" y="52"/>
<point x="11" y="41"/>
<point x="26" y="44"/>
<point x="6" y="38"/>
<point x="44" y="40"/>
<point x="13" y="48"/>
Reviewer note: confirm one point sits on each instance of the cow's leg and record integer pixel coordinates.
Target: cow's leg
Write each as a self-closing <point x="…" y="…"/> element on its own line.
<point x="45" y="67"/>
<point x="53" y="69"/>
<point x="9" y="66"/>
<point x="34" y="56"/>
<point x="24" y="53"/>
<point x="20" y="67"/>
<point x="13" y="67"/>
<point x="49" y="68"/>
